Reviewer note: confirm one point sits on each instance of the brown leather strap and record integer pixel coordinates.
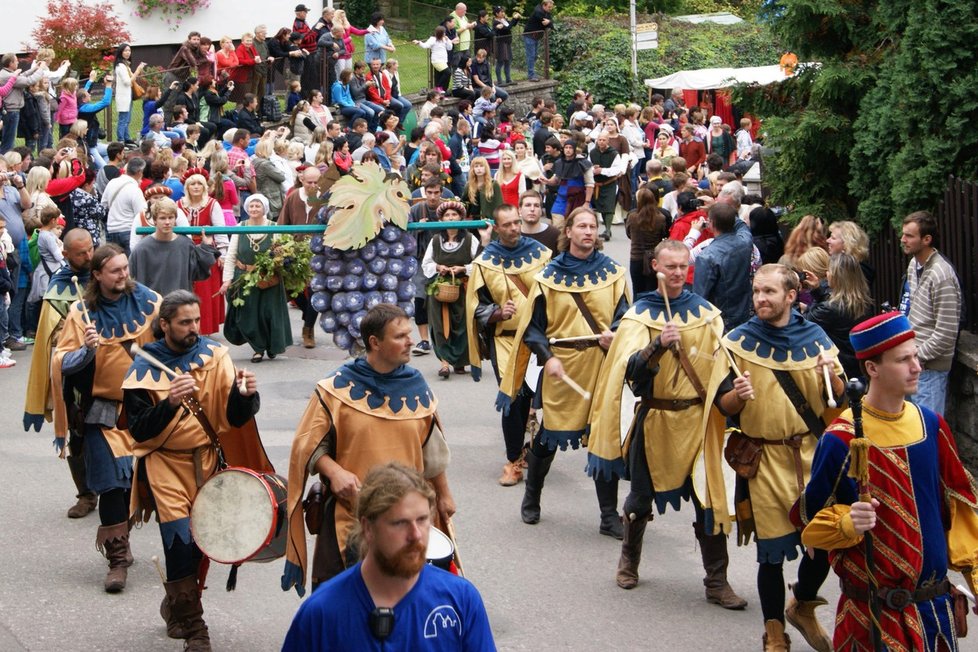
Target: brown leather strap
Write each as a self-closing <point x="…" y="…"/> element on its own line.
<point x="520" y="285"/>
<point x="579" y="345"/>
<point x="896" y="598"/>
<point x="195" y="408"/>
<point x="672" y="405"/>
<point x="794" y="443"/>
<point x="586" y="312"/>
<point x="690" y="372"/>
<point x="815" y="424"/>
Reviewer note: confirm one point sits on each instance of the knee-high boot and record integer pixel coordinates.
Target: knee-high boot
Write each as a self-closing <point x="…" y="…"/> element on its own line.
<point x="631" y="551"/>
<point x="607" y="491"/>
<point x="186" y="614"/>
<point x="536" y="471"/>
<point x="113" y="542"/>
<point x="713" y="548"/>
<point x="87" y="500"/>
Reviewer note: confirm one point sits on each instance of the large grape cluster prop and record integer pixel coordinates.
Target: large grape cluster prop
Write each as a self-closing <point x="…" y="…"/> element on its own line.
<point x="366" y="256"/>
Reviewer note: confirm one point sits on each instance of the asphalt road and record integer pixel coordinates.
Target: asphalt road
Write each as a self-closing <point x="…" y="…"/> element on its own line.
<point x="547" y="587"/>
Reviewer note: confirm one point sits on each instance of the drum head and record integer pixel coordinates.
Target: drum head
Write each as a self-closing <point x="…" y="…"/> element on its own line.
<point x="440" y="547"/>
<point x="233" y="516"/>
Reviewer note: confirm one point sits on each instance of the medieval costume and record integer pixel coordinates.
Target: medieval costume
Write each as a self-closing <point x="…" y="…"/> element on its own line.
<point x="575" y="175"/>
<point x="358" y="417"/>
<point x="785" y="422"/>
<point x="208" y="289"/>
<point x="44" y="400"/>
<point x="168" y="265"/>
<point x="672" y="451"/>
<point x="572" y="297"/>
<point x="502" y="274"/>
<point x="92" y="380"/>
<point x="926" y="521"/>
<point x="175" y="457"/>
<point x="605" y="197"/>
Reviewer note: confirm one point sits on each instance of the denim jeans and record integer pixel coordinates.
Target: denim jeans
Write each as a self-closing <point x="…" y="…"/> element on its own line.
<point x="17" y="313"/>
<point x="122" y="128"/>
<point x="10" y="122"/>
<point x="932" y="390"/>
<point x="531" y="55"/>
<point x="121" y="238"/>
<point x="402" y="106"/>
<point x="502" y="66"/>
<point x="500" y="94"/>
<point x="4" y="321"/>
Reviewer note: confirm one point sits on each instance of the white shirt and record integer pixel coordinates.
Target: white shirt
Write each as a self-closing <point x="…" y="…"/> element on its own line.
<point x="125" y="201"/>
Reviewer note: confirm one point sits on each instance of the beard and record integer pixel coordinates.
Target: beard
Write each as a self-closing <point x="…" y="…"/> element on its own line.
<point x="405" y="563"/>
<point x="187" y="342"/>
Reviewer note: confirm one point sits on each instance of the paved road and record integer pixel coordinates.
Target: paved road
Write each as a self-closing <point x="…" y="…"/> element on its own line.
<point x="547" y="587"/>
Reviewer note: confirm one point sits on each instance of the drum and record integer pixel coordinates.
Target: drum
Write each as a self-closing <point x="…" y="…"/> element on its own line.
<point x="239" y="515"/>
<point x="441" y="550"/>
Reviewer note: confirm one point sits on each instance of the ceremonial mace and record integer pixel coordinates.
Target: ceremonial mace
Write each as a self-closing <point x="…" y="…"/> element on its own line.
<point x="859" y="471"/>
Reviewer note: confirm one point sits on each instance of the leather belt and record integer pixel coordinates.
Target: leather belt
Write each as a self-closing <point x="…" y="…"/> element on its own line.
<point x="579" y="345"/>
<point x="672" y="405"/>
<point x="895" y="598"/>
<point x="794" y="443"/>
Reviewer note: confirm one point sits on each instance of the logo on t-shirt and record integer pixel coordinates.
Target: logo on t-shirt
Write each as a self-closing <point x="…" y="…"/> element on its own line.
<point x="443" y="617"/>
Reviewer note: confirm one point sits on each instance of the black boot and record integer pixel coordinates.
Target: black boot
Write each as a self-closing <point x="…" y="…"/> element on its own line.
<point x="607" y="491"/>
<point x="631" y="551"/>
<point x="536" y="471"/>
<point x="713" y="548"/>
<point x="87" y="500"/>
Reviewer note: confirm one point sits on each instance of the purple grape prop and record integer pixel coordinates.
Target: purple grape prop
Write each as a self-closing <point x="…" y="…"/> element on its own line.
<point x="366" y="256"/>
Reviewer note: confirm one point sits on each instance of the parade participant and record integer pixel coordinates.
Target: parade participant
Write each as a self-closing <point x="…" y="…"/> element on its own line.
<point x="917" y="501"/>
<point x="531" y="210"/>
<point x="44" y="400"/>
<point x="573" y="178"/>
<point x="607" y="166"/>
<point x="371" y="410"/>
<point x="424" y="606"/>
<point x="175" y="454"/>
<point x="166" y="261"/>
<point x="782" y="359"/>
<point x="579" y="294"/>
<point x="502" y="278"/>
<point x="449" y="255"/>
<point x="93" y="355"/>
<point x="656" y="352"/>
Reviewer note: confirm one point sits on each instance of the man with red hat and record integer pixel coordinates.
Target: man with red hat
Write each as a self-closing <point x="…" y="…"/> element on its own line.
<point x="921" y="510"/>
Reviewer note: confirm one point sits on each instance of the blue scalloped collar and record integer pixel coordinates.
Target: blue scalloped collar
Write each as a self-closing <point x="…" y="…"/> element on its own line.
<point x="192" y="358"/>
<point x="685" y="305"/>
<point x="525" y="252"/>
<point x="403" y="387"/>
<point x="567" y="270"/>
<point x="60" y="284"/>
<point x="125" y="316"/>
<point x="802" y="339"/>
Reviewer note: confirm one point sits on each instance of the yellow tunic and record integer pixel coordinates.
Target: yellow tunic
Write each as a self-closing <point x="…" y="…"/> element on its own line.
<point x="679" y="444"/>
<point x="771" y="416"/>
<point x="498" y="275"/>
<point x="361" y="429"/>
<point x="565" y="412"/>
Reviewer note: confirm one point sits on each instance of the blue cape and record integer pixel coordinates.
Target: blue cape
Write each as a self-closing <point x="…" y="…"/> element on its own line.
<point x="525" y="252"/>
<point x="682" y="306"/>
<point x="180" y="362"/>
<point x="403" y="387"/>
<point x="804" y="339"/>
<point x="565" y="269"/>
<point x="118" y="318"/>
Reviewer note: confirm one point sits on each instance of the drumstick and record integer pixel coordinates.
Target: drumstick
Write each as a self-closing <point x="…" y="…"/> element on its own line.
<point x="242" y="383"/>
<point x="577" y="338"/>
<point x="159" y="569"/>
<point x="586" y="395"/>
<point x="81" y="297"/>
<point x="730" y="360"/>
<point x="450" y="526"/>
<point x="828" y="386"/>
<point x="665" y="295"/>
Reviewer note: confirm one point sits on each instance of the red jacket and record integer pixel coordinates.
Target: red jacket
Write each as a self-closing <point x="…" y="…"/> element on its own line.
<point x="694" y="152"/>
<point x="373" y="92"/>
<point x="241" y="74"/>
<point x="680" y="229"/>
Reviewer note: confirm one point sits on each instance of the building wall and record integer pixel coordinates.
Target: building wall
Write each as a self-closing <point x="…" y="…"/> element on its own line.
<point x="222" y="17"/>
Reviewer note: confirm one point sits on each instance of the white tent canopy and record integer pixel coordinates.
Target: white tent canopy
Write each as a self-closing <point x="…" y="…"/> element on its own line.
<point x="713" y="78"/>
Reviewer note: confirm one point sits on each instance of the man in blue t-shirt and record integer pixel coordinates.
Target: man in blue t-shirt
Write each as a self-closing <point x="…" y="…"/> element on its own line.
<point x="392" y="600"/>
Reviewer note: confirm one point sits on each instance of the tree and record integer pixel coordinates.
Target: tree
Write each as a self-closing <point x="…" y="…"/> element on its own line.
<point x="80" y="32"/>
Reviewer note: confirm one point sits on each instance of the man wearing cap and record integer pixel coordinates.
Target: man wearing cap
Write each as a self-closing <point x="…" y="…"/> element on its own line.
<point x="311" y="71"/>
<point x="918" y="504"/>
<point x="782" y="358"/>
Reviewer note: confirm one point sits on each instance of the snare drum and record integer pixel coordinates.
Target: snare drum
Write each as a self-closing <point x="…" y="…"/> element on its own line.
<point x="239" y="515"/>
<point x="441" y="550"/>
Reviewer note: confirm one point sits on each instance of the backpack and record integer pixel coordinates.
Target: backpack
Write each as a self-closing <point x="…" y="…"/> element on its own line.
<point x="35" y="255"/>
<point x="271" y="110"/>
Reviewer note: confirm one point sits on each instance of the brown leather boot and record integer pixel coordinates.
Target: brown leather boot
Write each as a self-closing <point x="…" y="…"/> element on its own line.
<point x="713" y="548"/>
<point x="113" y="542"/>
<point x="512" y="474"/>
<point x="775" y="640"/>
<point x="87" y="500"/>
<point x="186" y="614"/>
<point x="801" y="614"/>
<point x="631" y="551"/>
<point x="308" y="337"/>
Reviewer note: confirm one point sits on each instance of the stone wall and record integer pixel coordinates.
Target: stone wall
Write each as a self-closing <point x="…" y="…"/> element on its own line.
<point x="962" y="400"/>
